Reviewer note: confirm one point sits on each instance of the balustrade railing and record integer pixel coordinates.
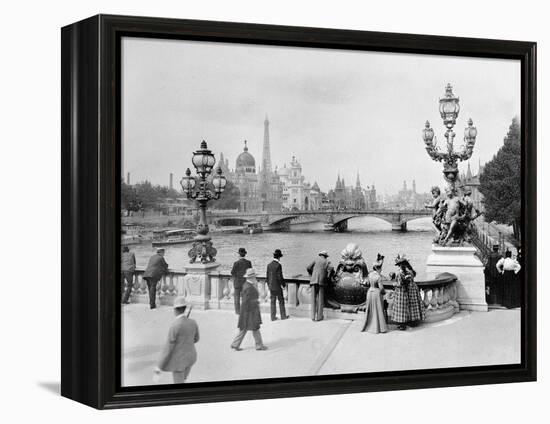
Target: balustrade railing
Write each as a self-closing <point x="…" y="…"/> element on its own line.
<point x="485" y="236"/>
<point x="439" y="295"/>
<point x="221" y="290"/>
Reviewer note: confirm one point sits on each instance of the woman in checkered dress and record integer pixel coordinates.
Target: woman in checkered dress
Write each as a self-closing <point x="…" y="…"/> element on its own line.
<point x="408" y="308"/>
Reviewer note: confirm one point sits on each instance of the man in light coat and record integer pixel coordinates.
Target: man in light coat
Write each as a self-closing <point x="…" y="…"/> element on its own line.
<point x="320" y="271"/>
<point x="179" y="353"/>
<point x="156" y="268"/>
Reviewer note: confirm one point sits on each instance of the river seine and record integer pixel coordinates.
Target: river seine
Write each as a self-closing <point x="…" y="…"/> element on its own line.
<point x="301" y="245"/>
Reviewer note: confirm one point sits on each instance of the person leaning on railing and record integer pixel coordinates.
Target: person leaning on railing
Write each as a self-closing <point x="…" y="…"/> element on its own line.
<point x="156" y="268"/>
<point x="127" y="270"/>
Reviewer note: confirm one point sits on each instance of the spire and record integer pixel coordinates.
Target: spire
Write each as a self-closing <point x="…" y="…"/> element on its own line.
<point x="358" y="182"/>
<point x="266" y="157"/>
<point x="245" y="146"/>
<point x="469" y="172"/>
<point x="338" y="183"/>
<point x="414" y="186"/>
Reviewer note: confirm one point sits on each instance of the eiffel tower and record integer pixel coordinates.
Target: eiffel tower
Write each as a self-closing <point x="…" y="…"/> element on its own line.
<point x="266" y="156"/>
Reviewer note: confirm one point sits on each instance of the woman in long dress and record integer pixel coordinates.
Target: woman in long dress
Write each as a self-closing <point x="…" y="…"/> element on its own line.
<point x="375" y="319"/>
<point x="408" y="308"/>
<point x="510" y="283"/>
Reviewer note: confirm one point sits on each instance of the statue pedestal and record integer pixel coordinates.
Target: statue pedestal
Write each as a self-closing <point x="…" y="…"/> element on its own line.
<point x="462" y="262"/>
<point x="196" y="285"/>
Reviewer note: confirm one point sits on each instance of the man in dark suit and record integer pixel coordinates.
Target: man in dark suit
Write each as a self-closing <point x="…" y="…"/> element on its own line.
<point x="237" y="272"/>
<point x="492" y="280"/>
<point x="320" y="271"/>
<point x="156" y="268"/>
<point x="179" y="353"/>
<point x="276" y="283"/>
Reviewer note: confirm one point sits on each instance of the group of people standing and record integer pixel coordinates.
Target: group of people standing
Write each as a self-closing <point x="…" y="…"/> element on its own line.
<point x="502" y="279"/>
<point x="408" y="308"/>
<point x="156" y="268"/>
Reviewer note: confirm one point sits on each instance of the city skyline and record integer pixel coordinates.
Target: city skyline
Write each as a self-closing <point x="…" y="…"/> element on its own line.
<point x="172" y="182"/>
<point x="344" y="111"/>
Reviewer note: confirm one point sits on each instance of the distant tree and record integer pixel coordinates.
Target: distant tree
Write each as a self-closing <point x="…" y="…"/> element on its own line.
<point x="148" y="194"/>
<point x="500" y="182"/>
<point x="130" y="201"/>
<point x="229" y="198"/>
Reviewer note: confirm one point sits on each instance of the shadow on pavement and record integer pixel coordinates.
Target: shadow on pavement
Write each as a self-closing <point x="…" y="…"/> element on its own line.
<point x="51" y="386"/>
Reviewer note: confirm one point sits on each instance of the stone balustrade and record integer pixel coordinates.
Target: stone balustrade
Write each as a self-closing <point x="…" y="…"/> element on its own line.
<point x="217" y="295"/>
<point x="216" y="292"/>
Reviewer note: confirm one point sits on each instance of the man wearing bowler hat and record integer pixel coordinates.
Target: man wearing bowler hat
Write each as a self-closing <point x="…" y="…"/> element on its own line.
<point x="276" y="283"/>
<point x="179" y="353"/>
<point x="249" y="318"/>
<point x="237" y="272"/>
<point x="156" y="268"/>
<point x="320" y="271"/>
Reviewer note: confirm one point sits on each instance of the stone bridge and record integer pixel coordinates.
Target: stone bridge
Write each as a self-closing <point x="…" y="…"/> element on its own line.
<point x="335" y="220"/>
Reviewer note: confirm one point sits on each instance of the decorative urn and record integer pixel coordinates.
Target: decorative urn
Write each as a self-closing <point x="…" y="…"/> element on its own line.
<point x="347" y="290"/>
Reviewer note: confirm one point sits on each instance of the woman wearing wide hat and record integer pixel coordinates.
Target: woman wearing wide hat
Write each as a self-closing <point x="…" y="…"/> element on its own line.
<point x="408" y="308"/>
<point x="375" y="320"/>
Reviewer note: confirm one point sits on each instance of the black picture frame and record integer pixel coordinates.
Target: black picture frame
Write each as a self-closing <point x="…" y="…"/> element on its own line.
<point x="90" y="137"/>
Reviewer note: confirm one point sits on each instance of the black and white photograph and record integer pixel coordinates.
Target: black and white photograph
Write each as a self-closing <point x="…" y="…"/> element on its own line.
<point x="295" y="212"/>
<point x="275" y="212"/>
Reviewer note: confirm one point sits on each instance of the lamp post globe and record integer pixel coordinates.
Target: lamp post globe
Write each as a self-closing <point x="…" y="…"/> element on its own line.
<point x="203" y="160"/>
<point x="188" y="182"/>
<point x="219" y="182"/>
<point x="428" y="133"/>
<point x="449" y="107"/>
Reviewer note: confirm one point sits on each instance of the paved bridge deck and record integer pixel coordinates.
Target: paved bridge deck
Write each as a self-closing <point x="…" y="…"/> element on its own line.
<point x="300" y="347"/>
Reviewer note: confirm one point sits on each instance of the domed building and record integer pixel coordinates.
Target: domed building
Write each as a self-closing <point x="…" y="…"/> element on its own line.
<point x="245" y="164"/>
<point x="246" y="180"/>
<point x="260" y="188"/>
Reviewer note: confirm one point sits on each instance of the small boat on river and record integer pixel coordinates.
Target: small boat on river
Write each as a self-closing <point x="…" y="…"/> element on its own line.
<point x="252" y="228"/>
<point x="131" y="234"/>
<point x="168" y="237"/>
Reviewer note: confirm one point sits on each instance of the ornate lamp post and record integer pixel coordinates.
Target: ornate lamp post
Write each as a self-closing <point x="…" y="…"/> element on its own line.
<point x="449" y="108"/>
<point x="203" y="161"/>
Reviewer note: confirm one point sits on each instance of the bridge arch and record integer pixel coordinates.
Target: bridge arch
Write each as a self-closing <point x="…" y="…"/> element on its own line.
<point x="398" y="222"/>
<point x="231" y="221"/>
<point x="283" y="220"/>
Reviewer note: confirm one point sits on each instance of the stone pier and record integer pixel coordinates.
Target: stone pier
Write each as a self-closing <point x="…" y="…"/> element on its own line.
<point x="462" y="262"/>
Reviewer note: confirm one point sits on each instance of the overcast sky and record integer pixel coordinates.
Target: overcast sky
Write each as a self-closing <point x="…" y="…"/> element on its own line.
<point x="336" y="111"/>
